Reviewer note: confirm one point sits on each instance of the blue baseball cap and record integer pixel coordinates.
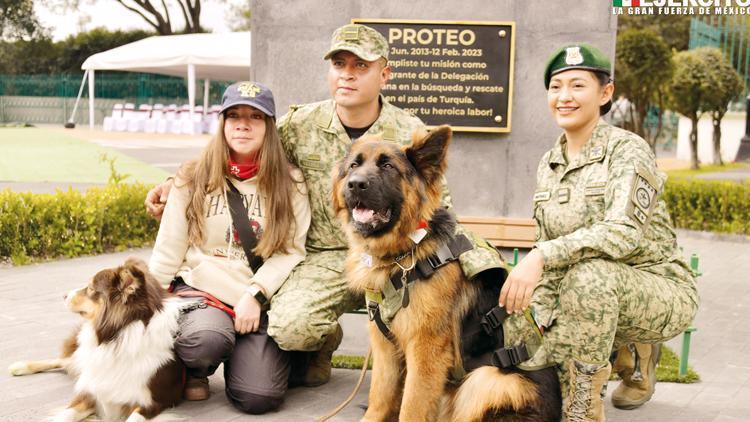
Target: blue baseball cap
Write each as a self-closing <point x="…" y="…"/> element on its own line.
<point x="249" y="93"/>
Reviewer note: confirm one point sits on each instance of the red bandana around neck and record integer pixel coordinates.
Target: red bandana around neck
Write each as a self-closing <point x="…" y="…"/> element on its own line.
<point x="243" y="171"/>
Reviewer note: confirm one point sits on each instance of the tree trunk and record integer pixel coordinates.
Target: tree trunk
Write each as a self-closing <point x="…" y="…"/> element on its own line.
<point x="694" y="142"/>
<point x="717" y="116"/>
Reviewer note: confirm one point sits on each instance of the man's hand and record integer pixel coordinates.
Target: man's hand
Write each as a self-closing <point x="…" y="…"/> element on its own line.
<point x="521" y="282"/>
<point x="247" y="314"/>
<point x="156" y="199"/>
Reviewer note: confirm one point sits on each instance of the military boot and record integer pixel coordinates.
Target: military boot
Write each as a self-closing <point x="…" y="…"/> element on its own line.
<point x="588" y="386"/>
<point x="319" y="368"/>
<point x="636" y="365"/>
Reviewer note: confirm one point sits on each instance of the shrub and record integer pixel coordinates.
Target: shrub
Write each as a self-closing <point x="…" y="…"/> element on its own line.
<point x="709" y="205"/>
<point x="71" y="223"/>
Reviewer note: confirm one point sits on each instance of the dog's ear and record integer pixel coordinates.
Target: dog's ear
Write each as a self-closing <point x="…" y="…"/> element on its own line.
<point x="132" y="275"/>
<point x="427" y="152"/>
<point x="338" y="174"/>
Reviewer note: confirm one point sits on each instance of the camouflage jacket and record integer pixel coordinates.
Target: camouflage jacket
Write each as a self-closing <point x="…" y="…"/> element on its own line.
<point x="606" y="203"/>
<point x="315" y="140"/>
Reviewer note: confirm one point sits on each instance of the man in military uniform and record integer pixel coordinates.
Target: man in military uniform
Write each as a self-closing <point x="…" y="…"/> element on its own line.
<point x="606" y="270"/>
<point x="304" y="312"/>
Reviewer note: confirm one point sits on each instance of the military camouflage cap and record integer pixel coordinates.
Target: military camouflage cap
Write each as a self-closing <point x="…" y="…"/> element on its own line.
<point x="361" y="40"/>
<point x="249" y="93"/>
<point x="576" y="56"/>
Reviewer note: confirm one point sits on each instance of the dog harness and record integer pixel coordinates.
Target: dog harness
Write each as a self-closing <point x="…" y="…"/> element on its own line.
<point x="422" y="269"/>
<point x="490" y="321"/>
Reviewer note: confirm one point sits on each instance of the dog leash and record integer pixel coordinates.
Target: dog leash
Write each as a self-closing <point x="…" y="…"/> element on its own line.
<point x="209" y="300"/>
<point x="348" y="400"/>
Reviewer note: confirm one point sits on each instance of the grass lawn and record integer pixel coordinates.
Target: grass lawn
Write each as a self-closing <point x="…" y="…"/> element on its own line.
<point x="686" y="173"/>
<point x="666" y="371"/>
<point x="40" y="155"/>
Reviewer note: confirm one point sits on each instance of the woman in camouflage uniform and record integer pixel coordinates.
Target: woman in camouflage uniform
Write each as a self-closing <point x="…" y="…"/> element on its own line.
<point x="605" y="271"/>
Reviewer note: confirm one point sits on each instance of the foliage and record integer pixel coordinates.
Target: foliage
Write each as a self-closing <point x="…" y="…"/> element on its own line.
<point x="115" y="177"/>
<point x="666" y="371"/>
<point x="673" y="29"/>
<point x="690" y="90"/>
<point x="691" y="85"/>
<point x="18" y="20"/>
<point x="643" y="66"/>
<point x="77" y="48"/>
<point x="727" y="85"/>
<point x="685" y="173"/>
<point x="239" y="16"/>
<point x="715" y="206"/>
<point x="41" y="55"/>
<point x="156" y="13"/>
<point x="349" y="362"/>
<point x="71" y="223"/>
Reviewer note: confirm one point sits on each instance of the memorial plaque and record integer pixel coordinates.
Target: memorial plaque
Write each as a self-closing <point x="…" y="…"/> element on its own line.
<point x="445" y="72"/>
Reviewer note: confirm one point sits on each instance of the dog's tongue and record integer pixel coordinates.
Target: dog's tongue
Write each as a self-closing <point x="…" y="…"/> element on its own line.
<point x="363" y="215"/>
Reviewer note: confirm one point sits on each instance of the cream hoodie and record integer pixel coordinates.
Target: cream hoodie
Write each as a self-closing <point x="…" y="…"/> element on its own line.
<point x="219" y="265"/>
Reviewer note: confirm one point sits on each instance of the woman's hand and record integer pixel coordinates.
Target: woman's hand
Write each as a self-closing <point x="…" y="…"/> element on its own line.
<point x="156" y="199"/>
<point x="521" y="282"/>
<point x="247" y="314"/>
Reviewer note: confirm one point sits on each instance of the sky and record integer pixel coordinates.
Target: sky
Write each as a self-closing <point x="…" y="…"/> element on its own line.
<point x="111" y="15"/>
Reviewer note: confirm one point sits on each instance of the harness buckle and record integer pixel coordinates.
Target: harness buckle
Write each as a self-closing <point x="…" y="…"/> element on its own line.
<point x="441" y="257"/>
<point x="510" y="356"/>
<point x="372" y="309"/>
<point x="493" y="319"/>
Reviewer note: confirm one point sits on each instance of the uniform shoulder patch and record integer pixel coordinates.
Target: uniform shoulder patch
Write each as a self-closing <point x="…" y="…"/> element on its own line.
<point x="643" y="195"/>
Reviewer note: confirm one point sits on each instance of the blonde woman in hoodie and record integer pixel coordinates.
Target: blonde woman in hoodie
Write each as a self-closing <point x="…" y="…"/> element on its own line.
<point x="198" y="251"/>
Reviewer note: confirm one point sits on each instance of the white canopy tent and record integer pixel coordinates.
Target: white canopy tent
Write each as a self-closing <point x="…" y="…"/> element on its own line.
<point x="198" y="56"/>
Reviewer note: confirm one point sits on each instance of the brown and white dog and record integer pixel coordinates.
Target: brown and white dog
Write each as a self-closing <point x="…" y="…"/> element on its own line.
<point x="123" y="354"/>
<point x="382" y="192"/>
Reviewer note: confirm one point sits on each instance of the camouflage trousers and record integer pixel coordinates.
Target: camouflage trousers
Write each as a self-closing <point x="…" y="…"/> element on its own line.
<point x="308" y="305"/>
<point x="599" y="305"/>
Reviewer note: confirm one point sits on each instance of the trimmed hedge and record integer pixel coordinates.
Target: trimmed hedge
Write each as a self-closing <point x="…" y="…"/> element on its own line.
<point x="706" y="205"/>
<point x="103" y="219"/>
<point x="71" y="223"/>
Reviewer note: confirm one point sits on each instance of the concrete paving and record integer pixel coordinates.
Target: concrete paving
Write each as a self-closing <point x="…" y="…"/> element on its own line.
<point x="34" y="321"/>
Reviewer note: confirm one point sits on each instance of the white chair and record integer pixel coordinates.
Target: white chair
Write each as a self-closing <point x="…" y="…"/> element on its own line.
<point x="172" y="119"/>
<point x="128" y="112"/>
<point x="157" y="115"/>
<point x="187" y="126"/>
<point x="109" y="121"/>
<point x="211" y="122"/>
<point x="136" y="124"/>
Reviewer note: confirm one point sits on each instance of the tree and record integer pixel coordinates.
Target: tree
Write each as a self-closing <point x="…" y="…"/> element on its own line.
<point x="643" y="66"/>
<point x="18" y="20"/>
<point x="154" y="12"/>
<point x="43" y="56"/>
<point x="77" y="48"/>
<point x="727" y="85"/>
<point x="673" y="29"/>
<point x="239" y="17"/>
<point x="689" y="91"/>
<point x="160" y="19"/>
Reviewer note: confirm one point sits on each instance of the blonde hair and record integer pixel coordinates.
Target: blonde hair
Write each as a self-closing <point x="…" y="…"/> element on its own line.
<point x="275" y="183"/>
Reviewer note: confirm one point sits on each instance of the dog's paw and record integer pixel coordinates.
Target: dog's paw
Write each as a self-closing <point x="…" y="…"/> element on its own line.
<point x="135" y="417"/>
<point x="19" y="368"/>
<point x="67" y="415"/>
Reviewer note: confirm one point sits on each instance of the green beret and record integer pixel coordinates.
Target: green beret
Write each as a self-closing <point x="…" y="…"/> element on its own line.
<point x="576" y="56"/>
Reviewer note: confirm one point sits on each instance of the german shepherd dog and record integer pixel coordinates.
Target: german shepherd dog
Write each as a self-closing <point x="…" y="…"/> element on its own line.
<point x="381" y="193"/>
<point x="123" y="354"/>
